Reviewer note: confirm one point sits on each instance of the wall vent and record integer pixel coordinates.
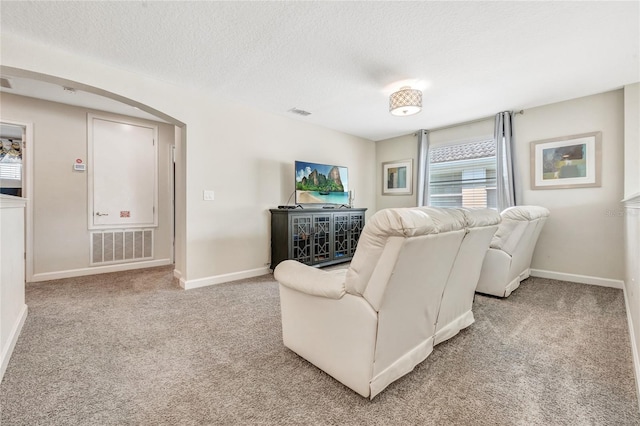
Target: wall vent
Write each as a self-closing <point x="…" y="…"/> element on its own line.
<point x="299" y="112"/>
<point x="120" y="246"/>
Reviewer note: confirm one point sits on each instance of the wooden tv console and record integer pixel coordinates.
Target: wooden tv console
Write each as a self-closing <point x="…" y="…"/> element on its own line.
<point x="315" y="236"/>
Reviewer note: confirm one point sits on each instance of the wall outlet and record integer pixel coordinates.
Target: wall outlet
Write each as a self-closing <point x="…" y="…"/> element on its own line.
<point x="207" y="195"/>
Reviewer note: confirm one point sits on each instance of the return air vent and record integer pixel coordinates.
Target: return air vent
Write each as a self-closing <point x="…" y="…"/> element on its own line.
<point x="120" y="246"/>
<point x="299" y="112"/>
<point x="4" y="82"/>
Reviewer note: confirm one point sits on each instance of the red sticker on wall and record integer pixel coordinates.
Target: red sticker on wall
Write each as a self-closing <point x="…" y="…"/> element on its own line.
<point x="125" y="214"/>
<point x="79" y="160"/>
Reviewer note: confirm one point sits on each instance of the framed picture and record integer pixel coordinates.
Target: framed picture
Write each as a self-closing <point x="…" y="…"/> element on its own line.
<point x="567" y="162"/>
<point x="397" y="177"/>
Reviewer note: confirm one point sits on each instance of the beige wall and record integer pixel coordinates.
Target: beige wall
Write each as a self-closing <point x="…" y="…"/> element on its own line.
<point x="249" y="164"/>
<point x="244" y="155"/>
<point x="400" y="148"/>
<point x="585" y="232"/>
<point x="60" y="232"/>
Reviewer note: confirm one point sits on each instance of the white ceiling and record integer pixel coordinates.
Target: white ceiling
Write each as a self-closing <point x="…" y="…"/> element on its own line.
<point x="55" y="93"/>
<point x="341" y="60"/>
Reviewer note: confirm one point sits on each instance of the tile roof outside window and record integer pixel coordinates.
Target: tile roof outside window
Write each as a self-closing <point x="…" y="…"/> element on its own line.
<point x="465" y="151"/>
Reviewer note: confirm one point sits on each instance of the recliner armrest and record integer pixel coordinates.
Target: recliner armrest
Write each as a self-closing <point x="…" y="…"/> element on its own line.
<point x="309" y="280"/>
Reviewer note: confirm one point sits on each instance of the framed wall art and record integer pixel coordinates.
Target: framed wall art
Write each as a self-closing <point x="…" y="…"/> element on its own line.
<point x="567" y="162"/>
<point x="397" y="177"/>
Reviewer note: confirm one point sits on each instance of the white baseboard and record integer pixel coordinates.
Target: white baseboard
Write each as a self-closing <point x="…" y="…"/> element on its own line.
<point x="224" y="278"/>
<point x="634" y="346"/>
<point x="99" y="270"/>
<point x="11" y="342"/>
<point x="574" y="278"/>
<point x="177" y="274"/>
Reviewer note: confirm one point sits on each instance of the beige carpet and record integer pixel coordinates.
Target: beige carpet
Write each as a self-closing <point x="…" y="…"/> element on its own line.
<point x="134" y="349"/>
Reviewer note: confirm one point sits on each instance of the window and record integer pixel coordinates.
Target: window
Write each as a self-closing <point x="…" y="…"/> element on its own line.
<point x="11" y="171"/>
<point x="463" y="175"/>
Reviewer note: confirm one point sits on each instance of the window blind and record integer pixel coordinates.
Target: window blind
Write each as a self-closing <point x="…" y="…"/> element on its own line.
<point x="463" y="175"/>
<point x="11" y="171"/>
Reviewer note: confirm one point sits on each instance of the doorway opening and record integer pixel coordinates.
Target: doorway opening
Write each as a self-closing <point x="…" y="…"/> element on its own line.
<point x="23" y="176"/>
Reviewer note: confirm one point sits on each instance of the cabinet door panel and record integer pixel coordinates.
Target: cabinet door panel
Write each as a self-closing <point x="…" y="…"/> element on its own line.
<point x="356" y="223"/>
<point x="321" y="238"/>
<point x="301" y="237"/>
<point x="341" y="236"/>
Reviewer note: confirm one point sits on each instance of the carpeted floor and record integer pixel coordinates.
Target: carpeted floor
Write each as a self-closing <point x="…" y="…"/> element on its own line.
<point x="132" y="348"/>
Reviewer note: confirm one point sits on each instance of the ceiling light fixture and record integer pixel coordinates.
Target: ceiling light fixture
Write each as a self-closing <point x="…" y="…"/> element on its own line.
<point x="406" y="101"/>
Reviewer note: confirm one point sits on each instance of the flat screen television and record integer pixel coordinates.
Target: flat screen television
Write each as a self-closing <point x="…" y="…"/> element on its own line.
<point x="321" y="184"/>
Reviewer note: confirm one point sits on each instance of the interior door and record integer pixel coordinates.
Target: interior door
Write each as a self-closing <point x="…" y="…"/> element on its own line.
<point x="123" y="174"/>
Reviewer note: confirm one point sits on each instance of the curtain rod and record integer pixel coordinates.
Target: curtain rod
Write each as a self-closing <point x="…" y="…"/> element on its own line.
<point x="477" y="120"/>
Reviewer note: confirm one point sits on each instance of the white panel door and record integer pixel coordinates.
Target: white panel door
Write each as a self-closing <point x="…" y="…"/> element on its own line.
<point x="122" y="174"/>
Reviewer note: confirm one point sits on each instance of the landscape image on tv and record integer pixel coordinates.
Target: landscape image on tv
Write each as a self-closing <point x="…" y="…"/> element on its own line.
<point x="321" y="184"/>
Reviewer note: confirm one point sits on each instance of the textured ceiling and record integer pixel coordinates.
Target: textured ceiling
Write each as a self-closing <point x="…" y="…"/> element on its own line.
<point x="341" y="60"/>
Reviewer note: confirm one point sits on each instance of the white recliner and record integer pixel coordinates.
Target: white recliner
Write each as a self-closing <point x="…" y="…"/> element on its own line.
<point x="508" y="260"/>
<point x="410" y="286"/>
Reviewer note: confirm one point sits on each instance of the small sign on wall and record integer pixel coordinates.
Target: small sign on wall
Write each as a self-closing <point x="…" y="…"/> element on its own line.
<point x="79" y="166"/>
<point x="125" y="213"/>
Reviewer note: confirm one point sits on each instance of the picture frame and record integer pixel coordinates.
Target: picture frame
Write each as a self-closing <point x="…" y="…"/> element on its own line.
<point x="567" y="162"/>
<point x="397" y="177"/>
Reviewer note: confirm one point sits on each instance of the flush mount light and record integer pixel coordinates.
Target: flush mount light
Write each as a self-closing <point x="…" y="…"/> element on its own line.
<point x="406" y="101"/>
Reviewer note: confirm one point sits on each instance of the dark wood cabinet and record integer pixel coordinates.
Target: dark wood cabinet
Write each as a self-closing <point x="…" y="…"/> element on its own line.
<point x="315" y="236"/>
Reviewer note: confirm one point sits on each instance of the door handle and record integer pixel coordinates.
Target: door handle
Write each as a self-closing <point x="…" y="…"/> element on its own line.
<point x="102" y="214"/>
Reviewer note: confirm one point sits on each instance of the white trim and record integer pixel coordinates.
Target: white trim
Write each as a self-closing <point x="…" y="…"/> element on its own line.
<point x="46" y="276"/>
<point x="177" y="274"/>
<point x="11" y="202"/>
<point x="11" y="342"/>
<point x="574" y="278"/>
<point x="224" y="278"/>
<point x="633" y="199"/>
<point x="634" y="347"/>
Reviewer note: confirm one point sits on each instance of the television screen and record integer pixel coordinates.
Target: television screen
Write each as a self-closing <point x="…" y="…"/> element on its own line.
<point x="321" y="184"/>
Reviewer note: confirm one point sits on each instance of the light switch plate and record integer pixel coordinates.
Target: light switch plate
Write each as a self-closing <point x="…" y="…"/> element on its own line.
<point x="207" y="195"/>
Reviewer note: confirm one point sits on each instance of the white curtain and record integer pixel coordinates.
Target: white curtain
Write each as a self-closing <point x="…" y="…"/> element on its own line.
<point x="503" y="135"/>
<point x="423" y="168"/>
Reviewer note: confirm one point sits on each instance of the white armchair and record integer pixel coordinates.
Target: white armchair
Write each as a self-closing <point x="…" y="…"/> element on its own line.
<point x="410" y="286"/>
<point x="508" y="260"/>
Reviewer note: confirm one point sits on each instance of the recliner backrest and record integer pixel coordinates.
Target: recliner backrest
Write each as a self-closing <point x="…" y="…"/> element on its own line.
<point x="401" y="267"/>
<point x="382" y="239"/>
<point x="457" y="299"/>
<point x="518" y="233"/>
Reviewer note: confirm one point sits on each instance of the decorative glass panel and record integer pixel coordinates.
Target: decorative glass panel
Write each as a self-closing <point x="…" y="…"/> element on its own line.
<point x="301" y="234"/>
<point x="341" y="236"/>
<point x="321" y="238"/>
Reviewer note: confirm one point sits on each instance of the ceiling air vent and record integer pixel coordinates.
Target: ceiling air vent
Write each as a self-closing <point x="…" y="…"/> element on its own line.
<point x="4" y="82"/>
<point x="299" y="112"/>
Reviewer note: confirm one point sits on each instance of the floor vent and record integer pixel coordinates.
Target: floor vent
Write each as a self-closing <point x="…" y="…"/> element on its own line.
<point x="119" y="246"/>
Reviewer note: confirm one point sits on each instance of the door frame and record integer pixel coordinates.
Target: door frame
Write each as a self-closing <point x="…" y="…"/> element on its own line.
<point x="27" y="189"/>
